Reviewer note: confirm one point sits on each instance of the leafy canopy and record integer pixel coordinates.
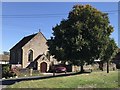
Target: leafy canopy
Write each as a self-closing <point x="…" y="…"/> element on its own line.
<point x="110" y="51"/>
<point x="82" y="36"/>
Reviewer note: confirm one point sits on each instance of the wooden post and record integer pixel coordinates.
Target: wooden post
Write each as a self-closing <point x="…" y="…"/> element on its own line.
<point x="53" y="70"/>
<point x="31" y="70"/>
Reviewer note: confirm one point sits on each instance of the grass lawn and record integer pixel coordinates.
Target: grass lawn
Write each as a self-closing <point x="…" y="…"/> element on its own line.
<point x="92" y="80"/>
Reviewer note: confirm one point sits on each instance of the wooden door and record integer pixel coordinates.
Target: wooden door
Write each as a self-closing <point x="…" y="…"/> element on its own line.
<point x="43" y="67"/>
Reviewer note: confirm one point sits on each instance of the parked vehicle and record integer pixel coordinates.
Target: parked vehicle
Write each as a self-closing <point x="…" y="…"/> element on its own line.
<point x="60" y="69"/>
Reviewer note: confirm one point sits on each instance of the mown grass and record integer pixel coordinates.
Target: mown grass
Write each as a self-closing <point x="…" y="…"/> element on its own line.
<point x="92" y="80"/>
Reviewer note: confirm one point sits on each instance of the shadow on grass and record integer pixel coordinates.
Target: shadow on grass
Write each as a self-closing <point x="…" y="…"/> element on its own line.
<point x="12" y="81"/>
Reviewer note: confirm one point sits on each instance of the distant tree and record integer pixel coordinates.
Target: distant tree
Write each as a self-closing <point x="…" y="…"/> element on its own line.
<point x="109" y="52"/>
<point x="81" y="38"/>
<point x="6" y="53"/>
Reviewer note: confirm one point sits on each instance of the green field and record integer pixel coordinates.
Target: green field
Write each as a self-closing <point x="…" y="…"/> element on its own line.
<point x="92" y="80"/>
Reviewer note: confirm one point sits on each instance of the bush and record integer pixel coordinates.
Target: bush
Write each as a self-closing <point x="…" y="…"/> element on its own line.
<point x="16" y="70"/>
<point x="7" y="72"/>
<point x="118" y="66"/>
<point x="11" y="74"/>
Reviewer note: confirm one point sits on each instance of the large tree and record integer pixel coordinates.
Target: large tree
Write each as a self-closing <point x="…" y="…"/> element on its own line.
<point x="81" y="37"/>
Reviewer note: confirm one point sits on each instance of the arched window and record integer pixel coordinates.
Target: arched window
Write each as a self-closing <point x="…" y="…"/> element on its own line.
<point x="30" y="55"/>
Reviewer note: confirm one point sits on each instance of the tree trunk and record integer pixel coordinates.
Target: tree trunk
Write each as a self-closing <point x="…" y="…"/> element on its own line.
<point x="101" y="66"/>
<point x="82" y="70"/>
<point x="107" y="66"/>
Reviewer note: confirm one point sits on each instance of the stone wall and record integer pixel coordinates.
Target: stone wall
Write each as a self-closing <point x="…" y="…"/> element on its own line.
<point x="37" y="45"/>
<point x="94" y="67"/>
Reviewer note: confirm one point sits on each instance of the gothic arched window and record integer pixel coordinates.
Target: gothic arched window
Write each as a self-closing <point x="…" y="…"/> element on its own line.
<point x="30" y="55"/>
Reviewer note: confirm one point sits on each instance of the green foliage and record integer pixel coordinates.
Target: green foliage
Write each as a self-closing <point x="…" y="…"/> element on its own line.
<point x="110" y="51"/>
<point x="82" y="37"/>
<point x="5" y="68"/>
<point x="6" y="71"/>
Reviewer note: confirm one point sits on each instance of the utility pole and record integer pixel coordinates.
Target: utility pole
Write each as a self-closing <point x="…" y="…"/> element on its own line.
<point x="39" y="30"/>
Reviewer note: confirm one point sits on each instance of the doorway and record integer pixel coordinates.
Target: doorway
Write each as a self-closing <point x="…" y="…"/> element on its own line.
<point x="43" y="67"/>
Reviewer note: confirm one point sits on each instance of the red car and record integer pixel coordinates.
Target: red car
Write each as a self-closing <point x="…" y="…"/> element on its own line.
<point x="60" y="69"/>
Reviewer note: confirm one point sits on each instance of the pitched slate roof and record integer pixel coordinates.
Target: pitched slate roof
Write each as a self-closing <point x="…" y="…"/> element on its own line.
<point x="22" y="42"/>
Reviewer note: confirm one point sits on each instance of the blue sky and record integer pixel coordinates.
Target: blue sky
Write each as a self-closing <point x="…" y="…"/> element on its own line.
<point x="22" y="19"/>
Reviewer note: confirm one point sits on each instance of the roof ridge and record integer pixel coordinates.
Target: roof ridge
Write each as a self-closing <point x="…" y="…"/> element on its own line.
<point x="23" y="41"/>
<point x="30" y="35"/>
<point x="43" y="35"/>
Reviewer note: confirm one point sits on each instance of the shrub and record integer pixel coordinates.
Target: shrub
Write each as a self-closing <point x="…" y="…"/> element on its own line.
<point x="7" y="72"/>
<point x="16" y="70"/>
<point x="118" y="66"/>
